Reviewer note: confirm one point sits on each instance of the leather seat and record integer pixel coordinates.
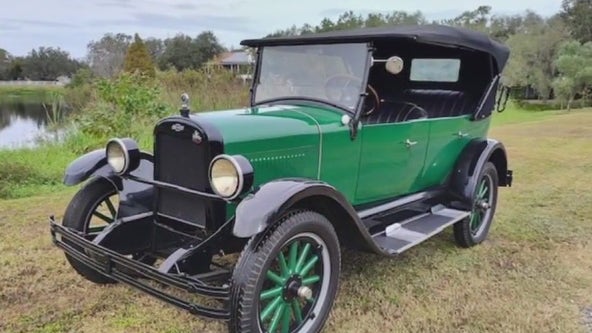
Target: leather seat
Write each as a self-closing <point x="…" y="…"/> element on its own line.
<point x="441" y="103"/>
<point x="395" y="111"/>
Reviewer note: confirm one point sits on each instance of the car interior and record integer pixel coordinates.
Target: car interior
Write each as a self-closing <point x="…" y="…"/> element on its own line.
<point x="430" y="82"/>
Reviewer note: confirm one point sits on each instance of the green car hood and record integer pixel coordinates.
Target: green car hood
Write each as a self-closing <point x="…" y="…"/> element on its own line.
<point x="280" y="141"/>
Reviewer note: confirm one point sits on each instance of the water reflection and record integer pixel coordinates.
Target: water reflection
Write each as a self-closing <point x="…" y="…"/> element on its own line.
<point x="21" y="123"/>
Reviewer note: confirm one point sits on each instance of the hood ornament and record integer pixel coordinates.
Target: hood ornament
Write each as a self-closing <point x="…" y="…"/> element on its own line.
<point x="185" y="105"/>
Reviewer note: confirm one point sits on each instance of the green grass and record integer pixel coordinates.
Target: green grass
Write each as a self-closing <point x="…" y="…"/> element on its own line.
<point x="27" y="172"/>
<point x="533" y="274"/>
<point x="514" y="114"/>
<point x="29" y="93"/>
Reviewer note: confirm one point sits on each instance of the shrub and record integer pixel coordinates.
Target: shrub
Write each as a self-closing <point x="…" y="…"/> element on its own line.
<point x="125" y="106"/>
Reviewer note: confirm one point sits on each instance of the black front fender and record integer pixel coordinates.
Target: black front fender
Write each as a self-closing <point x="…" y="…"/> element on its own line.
<point x="271" y="201"/>
<point x="86" y="166"/>
<point x="134" y="197"/>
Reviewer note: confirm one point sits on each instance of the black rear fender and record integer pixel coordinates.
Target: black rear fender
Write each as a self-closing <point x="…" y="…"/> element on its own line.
<point x="471" y="162"/>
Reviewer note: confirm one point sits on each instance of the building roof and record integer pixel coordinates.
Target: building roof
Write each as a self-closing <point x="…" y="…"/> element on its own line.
<point x="234" y="58"/>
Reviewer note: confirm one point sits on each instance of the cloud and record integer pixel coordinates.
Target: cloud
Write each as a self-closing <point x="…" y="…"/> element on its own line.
<point x="117" y="4"/>
<point x="182" y="22"/>
<point x="41" y="23"/>
<point x="187" y="6"/>
<point x="8" y="27"/>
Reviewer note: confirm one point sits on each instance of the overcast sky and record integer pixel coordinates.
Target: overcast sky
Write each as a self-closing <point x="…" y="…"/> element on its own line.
<point x="71" y="24"/>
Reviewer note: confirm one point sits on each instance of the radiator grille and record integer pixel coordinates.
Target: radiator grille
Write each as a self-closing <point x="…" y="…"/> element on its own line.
<point x="180" y="161"/>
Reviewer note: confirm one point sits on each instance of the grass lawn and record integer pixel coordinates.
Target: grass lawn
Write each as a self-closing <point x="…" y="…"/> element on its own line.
<point x="533" y="274"/>
<point x="28" y="92"/>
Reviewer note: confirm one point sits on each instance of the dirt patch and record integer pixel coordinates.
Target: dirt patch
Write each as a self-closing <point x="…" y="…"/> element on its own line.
<point x="587" y="313"/>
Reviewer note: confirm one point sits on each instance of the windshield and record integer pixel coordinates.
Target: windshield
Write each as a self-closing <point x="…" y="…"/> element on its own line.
<point x="333" y="73"/>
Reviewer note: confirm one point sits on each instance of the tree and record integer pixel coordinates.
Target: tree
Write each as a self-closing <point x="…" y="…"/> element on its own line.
<point x="534" y="50"/>
<point x="207" y="47"/>
<point x="138" y="59"/>
<point x="106" y="56"/>
<point x="180" y="53"/>
<point x="155" y="47"/>
<point x="575" y="67"/>
<point x="477" y="19"/>
<point x="48" y="63"/>
<point x="15" y="71"/>
<point x="183" y="52"/>
<point x="4" y="64"/>
<point x="578" y="17"/>
<point x="351" y="20"/>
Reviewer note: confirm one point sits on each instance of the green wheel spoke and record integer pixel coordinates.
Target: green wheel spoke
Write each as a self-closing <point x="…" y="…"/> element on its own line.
<point x="271" y="293"/>
<point x="303" y="256"/>
<point x="308" y="266"/>
<point x="283" y="266"/>
<point x="293" y="257"/>
<point x="311" y="280"/>
<point x="270" y="308"/>
<point x="473" y="220"/>
<point x="275" y="278"/>
<point x="297" y="311"/>
<point x="111" y="207"/>
<point x="95" y="229"/>
<point x="275" y="321"/>
<point x="286" y="318"/>
<point x="103" y="217"/>
<point x="481" y="189"/>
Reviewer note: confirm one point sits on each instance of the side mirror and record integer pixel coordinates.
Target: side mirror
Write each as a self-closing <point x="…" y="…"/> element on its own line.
<point x="394" y="65"/>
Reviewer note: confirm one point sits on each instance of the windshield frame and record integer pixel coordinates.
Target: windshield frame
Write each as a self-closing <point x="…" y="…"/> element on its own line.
<point x="295" y="100"/>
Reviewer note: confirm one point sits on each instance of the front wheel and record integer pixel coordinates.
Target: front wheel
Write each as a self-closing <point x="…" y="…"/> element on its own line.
<point x="91" y="210"/>
<point x="286" y="279"/>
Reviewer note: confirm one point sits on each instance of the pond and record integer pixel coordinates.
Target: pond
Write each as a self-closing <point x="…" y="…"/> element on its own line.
<point x="22" y="123"/>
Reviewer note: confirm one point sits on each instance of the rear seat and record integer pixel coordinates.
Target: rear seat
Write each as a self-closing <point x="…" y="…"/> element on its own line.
<point x="441" y="103"/>
<point x="394" y="112"/>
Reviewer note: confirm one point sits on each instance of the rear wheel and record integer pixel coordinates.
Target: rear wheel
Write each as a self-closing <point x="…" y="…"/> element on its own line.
<point x="474" y="229"/>
<point x="287" y="280"/>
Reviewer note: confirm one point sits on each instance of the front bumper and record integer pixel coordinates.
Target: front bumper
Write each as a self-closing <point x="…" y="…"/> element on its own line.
<point x="139" y="275"/>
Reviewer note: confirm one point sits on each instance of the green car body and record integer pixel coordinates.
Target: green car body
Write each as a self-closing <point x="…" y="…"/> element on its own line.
<point x="312" y="142"/>
<point x="371" y="139"/>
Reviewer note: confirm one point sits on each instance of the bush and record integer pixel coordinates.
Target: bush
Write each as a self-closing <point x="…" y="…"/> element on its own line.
<point x="538" y="105"/>
<point x="124" y="107"/>
<point x="208" y="91"/>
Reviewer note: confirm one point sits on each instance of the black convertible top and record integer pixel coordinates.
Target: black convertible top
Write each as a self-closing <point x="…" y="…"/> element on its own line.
<point x="429" y="34"/>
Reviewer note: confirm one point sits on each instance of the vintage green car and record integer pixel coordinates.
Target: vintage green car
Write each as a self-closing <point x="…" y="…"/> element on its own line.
<point x="374" y="139"/>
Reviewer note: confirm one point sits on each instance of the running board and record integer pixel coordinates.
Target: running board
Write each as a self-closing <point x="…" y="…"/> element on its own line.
<point x="401" y="236"/>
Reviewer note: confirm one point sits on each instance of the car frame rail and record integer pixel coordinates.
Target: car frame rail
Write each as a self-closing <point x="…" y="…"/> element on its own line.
<point x="123" y="269"/>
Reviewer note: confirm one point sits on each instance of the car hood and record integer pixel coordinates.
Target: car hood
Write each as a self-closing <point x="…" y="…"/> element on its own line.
<point x="279" y="141"/>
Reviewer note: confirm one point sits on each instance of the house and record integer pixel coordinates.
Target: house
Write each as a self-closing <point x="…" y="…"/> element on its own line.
<point x="238" y="62"/>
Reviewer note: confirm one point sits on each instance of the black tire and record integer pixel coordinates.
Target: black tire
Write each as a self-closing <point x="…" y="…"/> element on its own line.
<point x="78" y="216"/>
<point x="470" y="232"/>
<point x="258" y="258"/>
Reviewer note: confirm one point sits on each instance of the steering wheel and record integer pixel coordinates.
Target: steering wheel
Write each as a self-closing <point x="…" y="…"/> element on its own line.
<point x="339" y="89"/>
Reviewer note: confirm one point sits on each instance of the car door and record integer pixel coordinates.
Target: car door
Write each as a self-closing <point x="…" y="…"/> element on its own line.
<point x="391" y="160"/>
<point x="448" y="137"/>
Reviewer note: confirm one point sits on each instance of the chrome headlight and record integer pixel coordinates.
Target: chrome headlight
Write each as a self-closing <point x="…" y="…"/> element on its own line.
<point x="123" y="155"/>
<point x="230" y="176"/>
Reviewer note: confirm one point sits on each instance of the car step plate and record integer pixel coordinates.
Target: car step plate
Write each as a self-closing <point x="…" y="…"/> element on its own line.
<point x="398" y="237"/>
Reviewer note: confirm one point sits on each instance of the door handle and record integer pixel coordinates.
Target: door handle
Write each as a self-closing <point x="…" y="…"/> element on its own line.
<point x="461" y="135"/>
<point x="410" y="143"/>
